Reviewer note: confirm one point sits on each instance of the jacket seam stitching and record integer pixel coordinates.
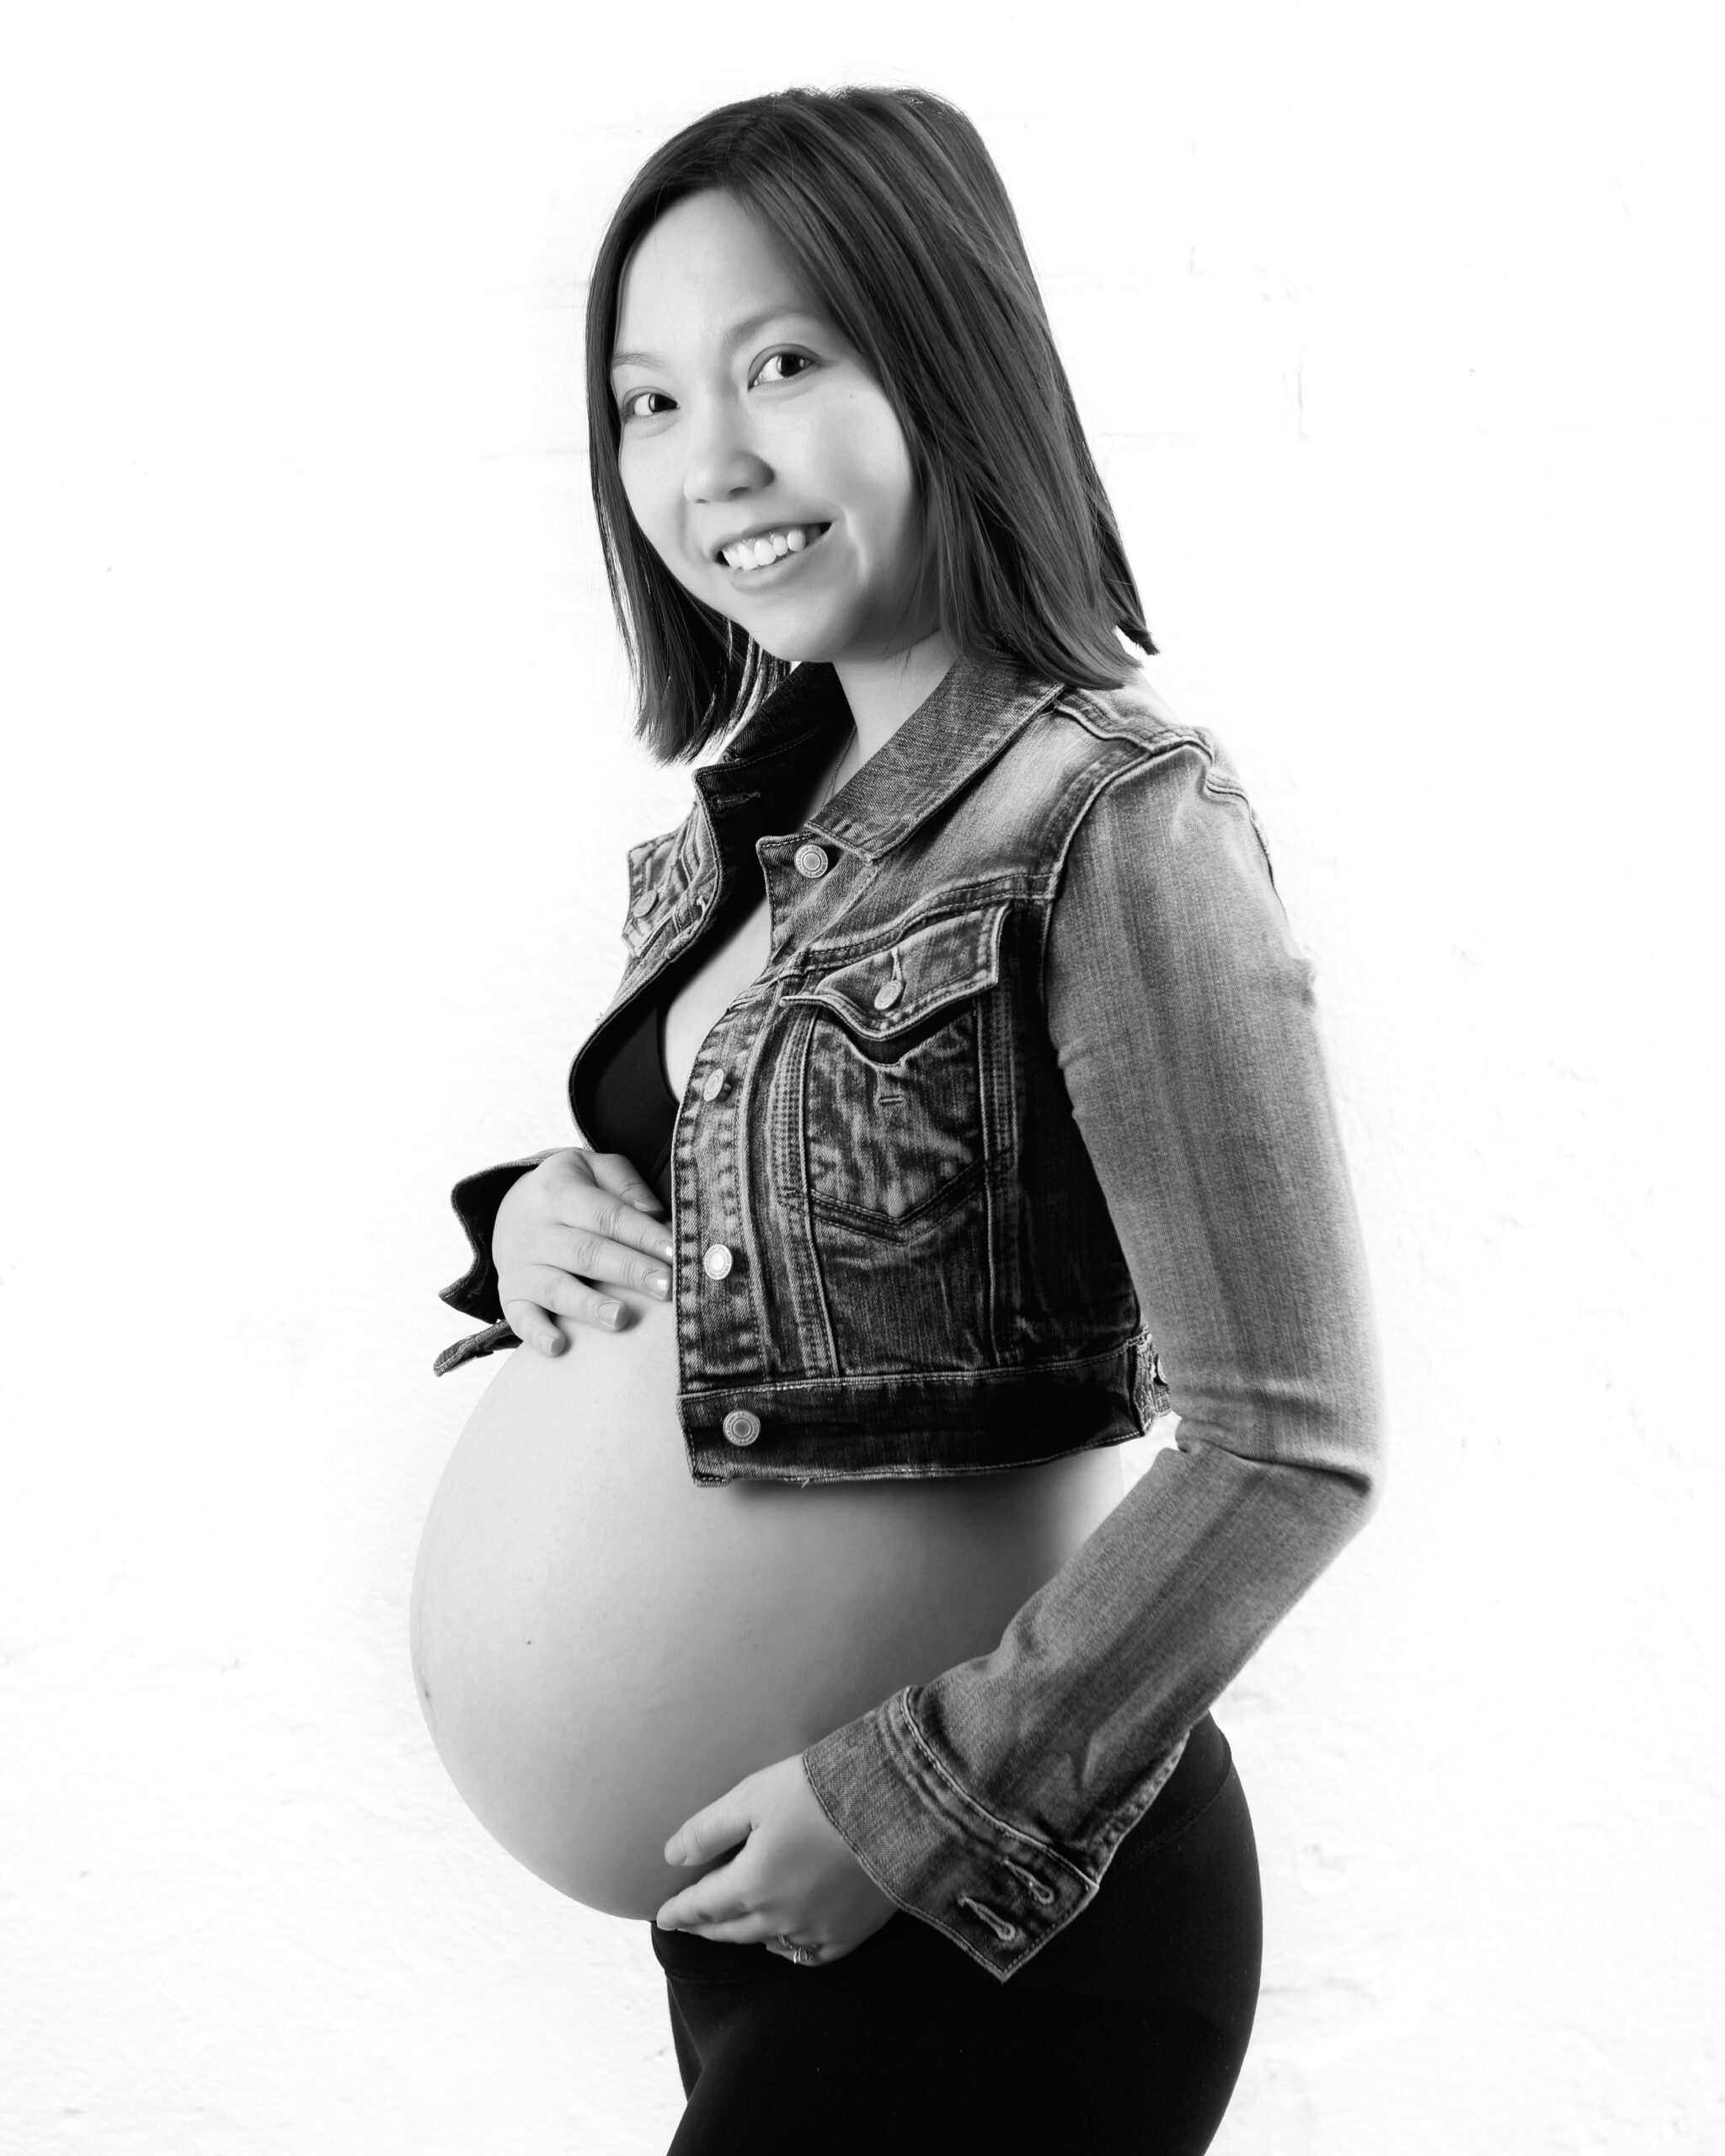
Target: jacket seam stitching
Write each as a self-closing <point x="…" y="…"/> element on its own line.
<point x="781" y="1385"/>
<point x="1149" y="754"/>
<point x="836" y="953"/>
<point x="818" y="1271"/>
<point x="949" y="1198"/>
<point x="1170" y="740"/>
<point x="1017" y="1834"/>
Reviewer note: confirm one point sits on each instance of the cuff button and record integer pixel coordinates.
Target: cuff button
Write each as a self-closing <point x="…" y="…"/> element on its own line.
<point x="741" y="1428"/>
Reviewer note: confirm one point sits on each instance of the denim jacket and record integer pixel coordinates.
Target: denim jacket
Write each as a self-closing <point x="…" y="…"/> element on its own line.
<point x="1022" y="1136"/>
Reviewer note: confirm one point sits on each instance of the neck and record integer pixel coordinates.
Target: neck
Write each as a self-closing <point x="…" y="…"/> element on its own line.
<point x="883" y="692"/>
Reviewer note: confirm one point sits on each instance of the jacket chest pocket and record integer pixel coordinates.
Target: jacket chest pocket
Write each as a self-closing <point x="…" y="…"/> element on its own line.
<point x="893" y="1079"/>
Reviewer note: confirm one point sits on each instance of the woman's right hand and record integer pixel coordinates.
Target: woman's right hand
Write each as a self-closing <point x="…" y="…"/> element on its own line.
<point x="579" y="1223"/>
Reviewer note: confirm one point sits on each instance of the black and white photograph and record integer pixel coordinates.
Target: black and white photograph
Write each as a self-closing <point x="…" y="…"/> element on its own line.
<point x="863" y="1023"/>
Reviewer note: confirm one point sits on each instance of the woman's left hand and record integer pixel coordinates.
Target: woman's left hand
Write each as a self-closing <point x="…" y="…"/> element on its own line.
<point x="793" y="1877"/>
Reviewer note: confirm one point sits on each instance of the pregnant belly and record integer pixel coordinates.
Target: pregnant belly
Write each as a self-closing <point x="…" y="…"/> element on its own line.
<point x="601" y="1646"/>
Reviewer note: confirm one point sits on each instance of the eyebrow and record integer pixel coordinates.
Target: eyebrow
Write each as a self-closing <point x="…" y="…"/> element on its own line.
<point x="734" y="335"/>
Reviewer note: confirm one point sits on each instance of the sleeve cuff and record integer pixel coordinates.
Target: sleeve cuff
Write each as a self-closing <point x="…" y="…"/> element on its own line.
<point x="996" y="1891"/>
<point x="476" y="1198"/>
<point x="471" y="1345"/>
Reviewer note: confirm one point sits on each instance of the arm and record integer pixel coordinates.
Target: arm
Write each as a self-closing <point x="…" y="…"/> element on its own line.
<point x="990" y="1802"/>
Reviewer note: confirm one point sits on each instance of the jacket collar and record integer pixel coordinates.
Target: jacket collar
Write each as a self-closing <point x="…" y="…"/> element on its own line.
<point x="976" y="708"/>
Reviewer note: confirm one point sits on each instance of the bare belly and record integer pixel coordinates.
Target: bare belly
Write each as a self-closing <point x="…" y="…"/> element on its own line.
<point x="602" y="1646"/>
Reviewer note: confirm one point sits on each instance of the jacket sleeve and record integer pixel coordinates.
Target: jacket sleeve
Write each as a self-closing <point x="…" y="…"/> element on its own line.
<point x="476" y="1198"/>
<point x="990" y="1802"/>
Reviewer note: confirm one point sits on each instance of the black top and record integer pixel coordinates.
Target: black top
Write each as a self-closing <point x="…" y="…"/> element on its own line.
<point x="627" y="1105"/>
<point x="632" y="1102"/>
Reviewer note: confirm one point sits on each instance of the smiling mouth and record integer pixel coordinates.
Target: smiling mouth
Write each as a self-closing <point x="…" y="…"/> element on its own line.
<point x="811" y="534"/>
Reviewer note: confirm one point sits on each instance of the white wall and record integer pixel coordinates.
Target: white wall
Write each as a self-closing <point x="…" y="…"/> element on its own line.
<point x="1401" y="349"/>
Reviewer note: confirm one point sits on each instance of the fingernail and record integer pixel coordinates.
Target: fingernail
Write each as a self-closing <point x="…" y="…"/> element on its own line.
<point x="645" y="1204"/>
<point x="549" y="1343"/>
<point x="667" y="1249"/>
<point x="659" y="1283"/>
<point x="611" y="1313"/>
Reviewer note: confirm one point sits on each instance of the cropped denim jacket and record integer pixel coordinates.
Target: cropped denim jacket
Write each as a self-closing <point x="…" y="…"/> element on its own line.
<point x="1021" y="1137"/>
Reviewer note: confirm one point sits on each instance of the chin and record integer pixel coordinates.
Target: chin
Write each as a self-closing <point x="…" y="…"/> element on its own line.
<point x="792" y="650"/>
<point x="793" y="645"/>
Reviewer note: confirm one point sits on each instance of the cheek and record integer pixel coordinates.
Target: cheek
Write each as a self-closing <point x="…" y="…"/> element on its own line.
<point x="638" y="493"/>
<point x="656" y="515"/>
<point x="867" y="462"/>
<point x="883" y="493"/>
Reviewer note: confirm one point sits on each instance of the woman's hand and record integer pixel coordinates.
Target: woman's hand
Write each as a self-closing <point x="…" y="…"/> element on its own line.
<point x="581" y="1222"/>
<point x="794" y="1877"/>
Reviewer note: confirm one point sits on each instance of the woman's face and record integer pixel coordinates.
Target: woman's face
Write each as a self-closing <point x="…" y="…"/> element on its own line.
<point x="744" y="416"/>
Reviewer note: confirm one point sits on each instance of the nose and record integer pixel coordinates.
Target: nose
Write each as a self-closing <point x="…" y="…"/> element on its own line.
<point x="723" y="462"/>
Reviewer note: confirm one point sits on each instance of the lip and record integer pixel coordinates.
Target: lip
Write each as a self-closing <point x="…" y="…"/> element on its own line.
<point x="775" y="572"/>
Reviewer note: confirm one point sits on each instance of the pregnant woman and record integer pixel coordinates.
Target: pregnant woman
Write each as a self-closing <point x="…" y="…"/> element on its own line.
<point x="959" y="1112"/>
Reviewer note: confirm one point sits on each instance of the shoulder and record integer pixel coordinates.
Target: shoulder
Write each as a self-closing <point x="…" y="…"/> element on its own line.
<point x="1127" y="757"/>
<point x="1135" y="725"/>
<point x="1159" y="803"/>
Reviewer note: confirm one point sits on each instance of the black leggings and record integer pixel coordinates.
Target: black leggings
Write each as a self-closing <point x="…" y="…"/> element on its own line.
<point x="1125" y="2032"/>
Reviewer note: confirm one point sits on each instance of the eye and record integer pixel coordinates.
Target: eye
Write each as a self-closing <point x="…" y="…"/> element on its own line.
<point x="626" y="411"/>
<point x="628" y="407"/>
<point x="802" y="360"/>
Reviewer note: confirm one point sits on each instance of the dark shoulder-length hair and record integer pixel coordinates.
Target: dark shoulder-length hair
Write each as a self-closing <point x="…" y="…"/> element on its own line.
<point x="886" y="205"/>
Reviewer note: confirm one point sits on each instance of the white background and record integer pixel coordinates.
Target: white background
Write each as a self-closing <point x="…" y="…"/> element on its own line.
<point x="1397" y="335"/>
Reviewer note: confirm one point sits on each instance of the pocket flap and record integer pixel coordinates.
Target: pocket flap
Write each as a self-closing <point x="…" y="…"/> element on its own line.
<point x="904" y="981"/>
<point x="650" y="879"/>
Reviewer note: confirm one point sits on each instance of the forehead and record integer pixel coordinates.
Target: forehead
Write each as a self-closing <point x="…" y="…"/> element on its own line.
<point x="703" y="270"/>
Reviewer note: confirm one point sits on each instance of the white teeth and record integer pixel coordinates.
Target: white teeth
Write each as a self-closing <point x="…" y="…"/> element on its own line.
<point x="772" y="547"/>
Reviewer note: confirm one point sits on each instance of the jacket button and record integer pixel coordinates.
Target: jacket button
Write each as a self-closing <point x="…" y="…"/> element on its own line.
<point x="887" y="993"/>
<point x="741" y="1428"/>
<point x="647" y="901"/>
<point x="712" y="1084"/>
<point x="812" y="860"/>
<point x="715" y="1261"/>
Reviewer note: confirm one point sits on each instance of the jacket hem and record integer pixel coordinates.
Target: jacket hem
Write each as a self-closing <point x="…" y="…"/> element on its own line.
<point x="923" y="1425"/>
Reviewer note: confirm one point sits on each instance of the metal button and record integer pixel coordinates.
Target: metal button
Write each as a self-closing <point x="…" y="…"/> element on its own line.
<point x="712" y="1084"/>
<point x="741" y="1428"/>
<point x="647" y="901"/>
<point x="887" y="993"/>
<point x="812" y="860"/>
<point x="716" y="1261"/>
